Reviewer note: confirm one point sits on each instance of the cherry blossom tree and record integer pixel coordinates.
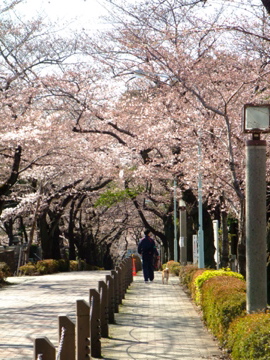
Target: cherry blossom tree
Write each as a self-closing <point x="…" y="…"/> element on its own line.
<point x="198" y="80"/>
<point x="129" y="107"/>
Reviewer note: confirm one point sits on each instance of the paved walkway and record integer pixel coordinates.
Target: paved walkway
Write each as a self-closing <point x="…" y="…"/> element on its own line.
<point x="31" y="308"/>
<point x="156" y="321"/>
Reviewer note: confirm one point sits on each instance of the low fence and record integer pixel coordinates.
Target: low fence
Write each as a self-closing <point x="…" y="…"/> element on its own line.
<point x="81" y="340"/>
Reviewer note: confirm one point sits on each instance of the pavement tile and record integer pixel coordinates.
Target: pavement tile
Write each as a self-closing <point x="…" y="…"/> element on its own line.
<point x="158" y="321"/>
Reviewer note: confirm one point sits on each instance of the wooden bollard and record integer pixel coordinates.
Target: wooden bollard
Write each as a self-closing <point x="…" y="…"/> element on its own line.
<point x="67" y="351"/>
<point x="95" y="344"/>
<point x="83" y="329"/>
<point x="126" y="273"/>
<point x="116" y="290"/>
<point x="110" y="286"/>
<point x="130" y="270"/>
<point x="43" y="346"/>
<point x="104" y="309"/>
<point x="120" y="283"/>
<point x="125" y="280"/>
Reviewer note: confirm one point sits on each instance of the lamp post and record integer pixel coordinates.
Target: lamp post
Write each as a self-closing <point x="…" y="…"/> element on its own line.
<point x="256" y="120"/>
<point x="200" y="211"/>
<point x="183" y="231"/>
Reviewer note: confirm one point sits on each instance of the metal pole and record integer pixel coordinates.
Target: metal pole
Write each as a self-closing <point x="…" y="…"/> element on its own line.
<point x="200" y="204"/>
<point x="215" y="229"/>
<point x="256" y="225"/>
<point x="175" y="224"/>
<point x="183" y="232"/>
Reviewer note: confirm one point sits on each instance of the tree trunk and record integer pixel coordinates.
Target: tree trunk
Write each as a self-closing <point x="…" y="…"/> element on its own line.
<point x="9" y="230"/>
<point x="192" y="214"/>
<point x="32" y="231"/>
<point x="71" y="240"/>
<point x="225" y="240"/>
<point x="55" y="235"/>
<point x="7" y="185"/>
<point x="46" y="243"/>
<point x="168" y="223"/>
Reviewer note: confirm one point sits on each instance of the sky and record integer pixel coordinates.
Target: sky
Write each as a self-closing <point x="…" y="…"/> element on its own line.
<point x="84" y="13"/>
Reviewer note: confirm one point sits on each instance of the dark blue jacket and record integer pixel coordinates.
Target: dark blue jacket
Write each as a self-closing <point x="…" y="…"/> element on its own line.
<point x="147" y="248"/>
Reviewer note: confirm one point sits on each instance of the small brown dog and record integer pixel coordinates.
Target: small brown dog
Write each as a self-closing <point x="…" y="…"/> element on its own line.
<point x="165" y="275"/>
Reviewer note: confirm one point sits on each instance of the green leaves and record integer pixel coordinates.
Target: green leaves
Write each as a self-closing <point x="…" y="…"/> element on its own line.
<point x="113" y="196"/>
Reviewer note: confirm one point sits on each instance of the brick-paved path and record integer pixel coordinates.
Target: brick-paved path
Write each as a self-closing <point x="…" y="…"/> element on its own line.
<point x="159" y="321"/>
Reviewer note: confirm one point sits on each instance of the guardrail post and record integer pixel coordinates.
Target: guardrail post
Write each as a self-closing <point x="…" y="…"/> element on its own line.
<point x="116" y="290"/>
<point x="43" y="346"/>
<point x="95" y="343"/>
<point x="120" y="283"/>
<point x="83" y="329"/>
<point x="129" y="270"/>
<point x="67" y="351"/>
<point x="124" y="269"/>
<point x="110" y="286"/>
<point x="104" y="312"/>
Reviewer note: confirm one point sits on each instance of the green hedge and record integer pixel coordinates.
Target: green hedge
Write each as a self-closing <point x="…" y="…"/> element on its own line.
<point x="249" y="337"/>
<point x="222" y="298"/>
<point x="208" y="274"/>
<point x="4" y="272"/>
<point x="50" y="266"/>
<point x="28" y="269"/>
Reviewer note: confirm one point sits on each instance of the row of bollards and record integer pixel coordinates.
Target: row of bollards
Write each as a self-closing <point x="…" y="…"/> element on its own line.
<point x="81" y="340"/>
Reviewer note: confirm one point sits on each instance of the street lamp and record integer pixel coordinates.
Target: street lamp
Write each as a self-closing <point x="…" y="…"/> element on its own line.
<point x="256" y="120"/>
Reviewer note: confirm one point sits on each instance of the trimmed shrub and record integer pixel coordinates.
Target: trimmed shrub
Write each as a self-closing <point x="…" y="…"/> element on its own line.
<point x="73" y="265"/>
<point x="207" y="274"/>
<point x="4" y="271"/>
<point x="192" y="285"/>
<point x="186" y="274"/>
<point x="223" y="298"/>
<point x="47" y="266"/>
<point x="63" y="265"/>
<point x="248" y="337"/>
<point x="50" y="266"/>
<point x="28" y="269"/>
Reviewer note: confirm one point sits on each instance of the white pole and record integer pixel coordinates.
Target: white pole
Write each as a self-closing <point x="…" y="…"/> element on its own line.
<point x="175" y="225"/>
<point x="183" y="232"/>
<point x="216" y="240"/>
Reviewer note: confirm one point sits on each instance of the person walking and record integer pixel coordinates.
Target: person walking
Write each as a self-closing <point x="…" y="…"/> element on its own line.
<point x="147" y="249"/>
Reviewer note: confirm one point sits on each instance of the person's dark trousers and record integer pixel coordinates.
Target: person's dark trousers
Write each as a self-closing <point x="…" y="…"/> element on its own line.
<point x="148" y="269"/>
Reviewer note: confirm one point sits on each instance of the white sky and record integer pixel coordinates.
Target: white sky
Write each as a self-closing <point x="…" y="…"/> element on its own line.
<point x="82" y="13"/>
